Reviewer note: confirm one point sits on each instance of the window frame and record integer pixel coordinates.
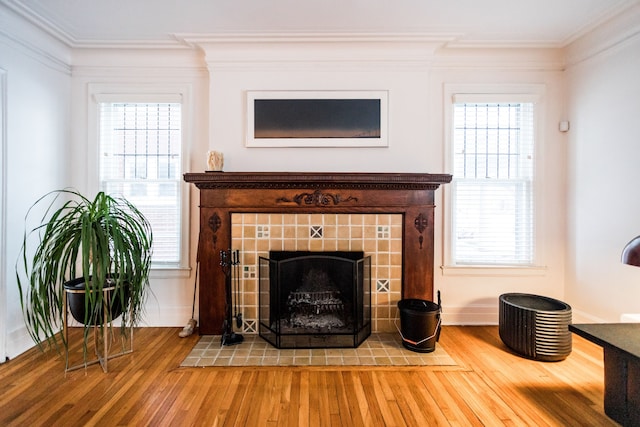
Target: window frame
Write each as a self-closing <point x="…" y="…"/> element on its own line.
<point x="99" y="93"/>
<point x="492" y="93"/>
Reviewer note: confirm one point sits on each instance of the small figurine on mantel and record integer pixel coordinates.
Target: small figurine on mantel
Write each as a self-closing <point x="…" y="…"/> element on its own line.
<point x="215" y="161"/>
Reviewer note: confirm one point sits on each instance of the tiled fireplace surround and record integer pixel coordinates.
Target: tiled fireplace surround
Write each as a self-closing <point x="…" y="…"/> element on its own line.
<point x="388" y="216"/>
<point x="377" y="235"/>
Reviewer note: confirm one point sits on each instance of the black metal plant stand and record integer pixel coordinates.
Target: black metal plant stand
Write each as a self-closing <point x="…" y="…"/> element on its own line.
<point x="228" y="259"/>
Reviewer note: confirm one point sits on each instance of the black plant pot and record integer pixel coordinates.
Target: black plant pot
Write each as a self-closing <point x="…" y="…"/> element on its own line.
<point x="76" y="295"/>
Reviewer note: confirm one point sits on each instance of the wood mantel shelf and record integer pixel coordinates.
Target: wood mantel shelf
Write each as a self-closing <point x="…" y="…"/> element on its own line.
<point x="313" y="180"/>
<point x="225" y="193"/>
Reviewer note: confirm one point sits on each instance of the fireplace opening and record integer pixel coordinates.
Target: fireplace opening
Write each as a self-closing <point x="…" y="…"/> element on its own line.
<point x="315" y="299"/>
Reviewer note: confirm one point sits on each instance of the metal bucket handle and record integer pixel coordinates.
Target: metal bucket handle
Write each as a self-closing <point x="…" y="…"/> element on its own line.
<point x="395" y="322"/>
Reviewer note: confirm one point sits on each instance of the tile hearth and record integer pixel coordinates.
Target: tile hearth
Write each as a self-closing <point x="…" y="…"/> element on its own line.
<point x="380" y="349"/>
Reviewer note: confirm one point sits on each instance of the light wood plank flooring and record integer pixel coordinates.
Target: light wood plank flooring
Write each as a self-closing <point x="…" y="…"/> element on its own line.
<point x="490" y="387"/>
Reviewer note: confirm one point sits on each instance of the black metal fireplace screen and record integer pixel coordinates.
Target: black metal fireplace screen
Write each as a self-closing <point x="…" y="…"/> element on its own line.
<point x="315" y="299"/>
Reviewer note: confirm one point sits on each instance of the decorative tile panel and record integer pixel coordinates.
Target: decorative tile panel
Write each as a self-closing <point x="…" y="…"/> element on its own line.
<point x="250" y="326"/>
<point x="382" y="285"/>
<point x="315" y="232"/>
<point x="262" y="231"/>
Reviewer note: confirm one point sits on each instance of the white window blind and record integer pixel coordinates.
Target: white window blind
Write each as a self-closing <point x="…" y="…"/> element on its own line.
<point x="140" y="159"/>
<point x="493" y="213"/>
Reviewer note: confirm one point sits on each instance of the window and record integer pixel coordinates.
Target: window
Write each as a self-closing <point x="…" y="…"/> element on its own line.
<point x="141" y="159"/>
<point x="492" y="189"/>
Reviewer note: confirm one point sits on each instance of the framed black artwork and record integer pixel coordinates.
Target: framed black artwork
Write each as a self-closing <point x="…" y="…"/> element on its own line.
<point x="317" y="119"/>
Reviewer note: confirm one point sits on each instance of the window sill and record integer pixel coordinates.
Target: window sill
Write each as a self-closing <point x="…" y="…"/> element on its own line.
<point x="169" y="272"/>
<point x="479" y="270"/>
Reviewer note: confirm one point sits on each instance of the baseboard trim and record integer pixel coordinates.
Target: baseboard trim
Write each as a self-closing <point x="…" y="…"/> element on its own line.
<point x="470" y="315"/>
<point x="18" y="341"/>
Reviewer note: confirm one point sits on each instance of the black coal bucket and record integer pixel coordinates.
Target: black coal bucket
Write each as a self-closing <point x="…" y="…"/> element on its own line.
<point x="420" y="324"/>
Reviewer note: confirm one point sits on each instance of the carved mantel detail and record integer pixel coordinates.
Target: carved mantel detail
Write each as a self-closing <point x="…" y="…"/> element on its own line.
<point x="215" y="222"/>
<point x="317" y="198"/>
<point x="421" y="223"/>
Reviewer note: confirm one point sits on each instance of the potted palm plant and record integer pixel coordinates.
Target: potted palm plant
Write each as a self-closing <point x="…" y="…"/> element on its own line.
<point x="98" y="251"/>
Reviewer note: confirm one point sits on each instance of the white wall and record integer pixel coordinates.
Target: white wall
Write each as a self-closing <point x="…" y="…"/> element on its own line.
<point x="604" y="148"/>
<point x="37" y="136"/>
<point x="414" y="73"/>
<point x="351" y="63"/>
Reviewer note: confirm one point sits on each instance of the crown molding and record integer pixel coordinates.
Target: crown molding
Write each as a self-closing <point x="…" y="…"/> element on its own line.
<point x="69" y="40"/>
<point x="190" y="40"/>
<point x="504" y="44"/>
<point x="361" y="66"/>
<point x="531" y="59"/>
<point x="147" y="72"/>
<point x="137" y="58"/>
<point x="612" y="28"/>
<point x="362" y="52"/>
<point x="36" y="45"/>
<point x="353" y="51"/>
<point x="170" y="44"/>
<point x="616" y="32"/>
<point x="315" y="37"/>
<point x="606" y="16"/>
<point x="42" y="23"/>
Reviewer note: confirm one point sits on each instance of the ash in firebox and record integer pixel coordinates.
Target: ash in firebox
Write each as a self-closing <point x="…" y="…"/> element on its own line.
<point x="321" y="322"/>
<point x="317" y="304"/>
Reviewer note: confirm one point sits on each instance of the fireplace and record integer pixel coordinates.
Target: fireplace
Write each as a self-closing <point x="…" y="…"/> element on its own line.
<point x="410" y="195"/>
<point x="315" y="299"/>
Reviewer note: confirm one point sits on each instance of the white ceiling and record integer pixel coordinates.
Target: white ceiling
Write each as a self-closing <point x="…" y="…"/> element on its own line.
<point x="552" y="23"/>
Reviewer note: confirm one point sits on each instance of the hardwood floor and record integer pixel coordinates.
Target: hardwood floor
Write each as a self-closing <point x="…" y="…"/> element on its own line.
<point x="490" y="386"/>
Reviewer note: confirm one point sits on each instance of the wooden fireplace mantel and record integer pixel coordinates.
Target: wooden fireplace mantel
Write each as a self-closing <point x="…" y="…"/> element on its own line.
<point x="225" y="193"/>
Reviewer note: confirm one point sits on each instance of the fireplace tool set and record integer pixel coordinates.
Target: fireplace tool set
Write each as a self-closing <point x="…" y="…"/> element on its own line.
<point x="230" y="264"/>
